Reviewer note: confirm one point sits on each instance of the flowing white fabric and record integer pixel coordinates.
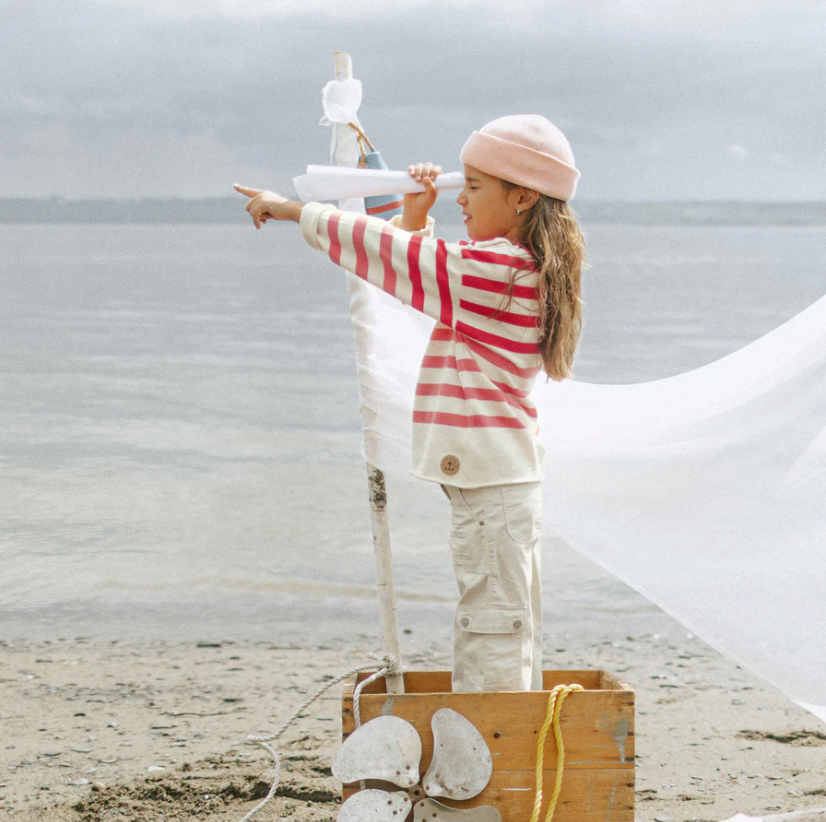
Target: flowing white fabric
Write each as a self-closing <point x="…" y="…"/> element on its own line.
<point x="332" y="183"/>
<point x="706" y="492"/>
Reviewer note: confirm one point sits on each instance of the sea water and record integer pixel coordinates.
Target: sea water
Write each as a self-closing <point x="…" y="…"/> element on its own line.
<point x="179" y="441"/>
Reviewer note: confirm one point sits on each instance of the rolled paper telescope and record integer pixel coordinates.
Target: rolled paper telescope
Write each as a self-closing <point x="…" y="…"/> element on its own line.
<point x="339" y="183"/>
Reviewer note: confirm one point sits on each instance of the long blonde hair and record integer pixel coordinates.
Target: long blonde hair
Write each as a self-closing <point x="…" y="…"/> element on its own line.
<point x="553" y="236"/>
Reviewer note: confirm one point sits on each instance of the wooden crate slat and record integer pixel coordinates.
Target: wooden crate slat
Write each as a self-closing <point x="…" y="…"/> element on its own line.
<point x="597" y="726"/>
<point x="435" y="682"/>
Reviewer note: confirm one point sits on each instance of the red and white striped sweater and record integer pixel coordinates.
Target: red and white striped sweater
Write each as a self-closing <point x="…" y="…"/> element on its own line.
<point x="474" y="424"/>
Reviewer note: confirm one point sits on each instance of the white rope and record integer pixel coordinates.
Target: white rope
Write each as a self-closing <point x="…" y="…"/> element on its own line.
<point x="388" y="665"/>
<point x="363" y="684"/>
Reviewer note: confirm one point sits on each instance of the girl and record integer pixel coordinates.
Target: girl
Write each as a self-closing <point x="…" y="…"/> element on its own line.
<point x="507" y="306"/>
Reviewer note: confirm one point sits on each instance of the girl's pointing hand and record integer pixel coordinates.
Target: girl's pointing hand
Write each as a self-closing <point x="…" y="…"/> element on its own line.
<point x="266" y="205"/>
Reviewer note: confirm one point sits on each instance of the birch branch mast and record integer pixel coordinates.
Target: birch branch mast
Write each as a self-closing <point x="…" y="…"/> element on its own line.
<point x="385" y="586"/>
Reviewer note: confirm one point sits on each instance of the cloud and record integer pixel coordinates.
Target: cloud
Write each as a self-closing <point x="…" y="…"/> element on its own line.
<point x="646" y="91"/>
<point x="738" y="152"/>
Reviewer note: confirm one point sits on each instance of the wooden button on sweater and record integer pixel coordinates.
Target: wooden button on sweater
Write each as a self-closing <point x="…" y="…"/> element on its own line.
<point x="450" y="465"/>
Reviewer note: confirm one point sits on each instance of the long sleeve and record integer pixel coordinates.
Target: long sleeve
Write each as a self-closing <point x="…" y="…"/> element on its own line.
<point x="409" y="266"/>
<point x="473" y="421"/>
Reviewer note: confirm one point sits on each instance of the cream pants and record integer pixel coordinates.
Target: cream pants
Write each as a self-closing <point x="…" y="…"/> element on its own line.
<point x="497" y="628"/>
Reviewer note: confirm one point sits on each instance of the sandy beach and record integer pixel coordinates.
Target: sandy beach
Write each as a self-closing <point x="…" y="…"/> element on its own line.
<point x="100" y="730"/>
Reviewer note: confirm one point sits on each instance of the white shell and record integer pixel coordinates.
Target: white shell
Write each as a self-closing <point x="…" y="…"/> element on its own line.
<point x="386" y="748"/>
<point x="375" y="806"/>
<point x="461" y="764"/>
<point x="433" y="811"/>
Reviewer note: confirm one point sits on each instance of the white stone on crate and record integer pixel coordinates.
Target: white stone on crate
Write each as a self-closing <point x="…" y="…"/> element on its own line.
<point x="375" y="806"/>
<point x="386" y="748"/>
<point x="462" y="765"/>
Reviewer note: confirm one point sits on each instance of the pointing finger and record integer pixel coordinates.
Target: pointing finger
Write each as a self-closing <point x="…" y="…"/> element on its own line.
<point x="250" y="192"/>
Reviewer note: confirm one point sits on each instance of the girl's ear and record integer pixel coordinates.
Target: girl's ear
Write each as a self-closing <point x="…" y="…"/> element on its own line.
<point x="527" y="198"/>
<point x="522" y="198"/>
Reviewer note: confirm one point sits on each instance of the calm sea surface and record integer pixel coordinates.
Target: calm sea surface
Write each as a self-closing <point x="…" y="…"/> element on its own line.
<point x="179" y="445"/>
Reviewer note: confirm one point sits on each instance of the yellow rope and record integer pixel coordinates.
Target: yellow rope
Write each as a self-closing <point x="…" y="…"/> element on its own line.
<point x="552" y="714"/>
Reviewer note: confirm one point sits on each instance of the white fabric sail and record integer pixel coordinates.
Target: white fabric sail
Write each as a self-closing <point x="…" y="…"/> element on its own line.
<point x="706" y="492"/>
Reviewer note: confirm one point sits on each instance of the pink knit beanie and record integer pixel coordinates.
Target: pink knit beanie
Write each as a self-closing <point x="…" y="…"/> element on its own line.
<point x="525" y="149"/>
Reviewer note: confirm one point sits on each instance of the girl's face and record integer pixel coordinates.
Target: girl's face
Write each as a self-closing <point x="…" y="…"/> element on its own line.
<point x="488" y="207"/>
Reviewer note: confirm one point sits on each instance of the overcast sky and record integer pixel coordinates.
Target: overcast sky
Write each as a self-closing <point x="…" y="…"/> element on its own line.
<point x="661" y="100"/>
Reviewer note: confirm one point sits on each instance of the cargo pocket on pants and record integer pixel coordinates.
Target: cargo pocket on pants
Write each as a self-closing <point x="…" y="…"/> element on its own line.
<point x="489" y="653"/>
<point x="468" y="539"/>
<point x="523" y="511"/>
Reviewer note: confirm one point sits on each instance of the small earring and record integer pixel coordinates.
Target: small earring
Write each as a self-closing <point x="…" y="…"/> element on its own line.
<point x="518" y="213"/>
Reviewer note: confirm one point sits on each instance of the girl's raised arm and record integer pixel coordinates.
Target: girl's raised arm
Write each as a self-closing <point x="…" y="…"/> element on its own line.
<point x="410" y="266"/>
<point x="400" y="260"/>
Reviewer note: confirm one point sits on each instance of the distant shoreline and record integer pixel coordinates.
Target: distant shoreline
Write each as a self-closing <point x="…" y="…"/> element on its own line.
<point x="229" y="211"/>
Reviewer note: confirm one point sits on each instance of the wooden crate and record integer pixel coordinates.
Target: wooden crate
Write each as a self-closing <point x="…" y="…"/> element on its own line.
<point x="597" y="730"/>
